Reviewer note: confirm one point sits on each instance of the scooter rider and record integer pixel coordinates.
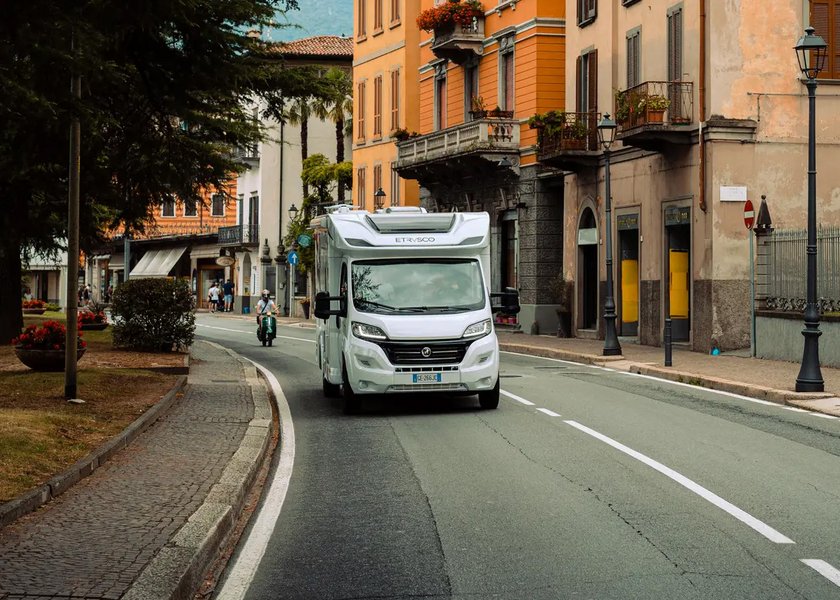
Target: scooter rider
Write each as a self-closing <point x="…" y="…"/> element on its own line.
<point x="265" y="306"/>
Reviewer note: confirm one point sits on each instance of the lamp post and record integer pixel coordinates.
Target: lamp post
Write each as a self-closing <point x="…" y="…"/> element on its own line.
<point x="293" y="211"/>
<point x="606" y="137"/>
<point x="378" y="199"/>
<point x="811" y="53"/>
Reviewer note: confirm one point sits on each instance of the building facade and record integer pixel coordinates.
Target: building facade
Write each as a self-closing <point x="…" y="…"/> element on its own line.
<point x="711" y="111"/>
<point x="385" y="99"/>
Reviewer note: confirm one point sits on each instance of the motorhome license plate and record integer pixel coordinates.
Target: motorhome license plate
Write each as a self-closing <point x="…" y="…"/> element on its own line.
<point x="426" y="377"/>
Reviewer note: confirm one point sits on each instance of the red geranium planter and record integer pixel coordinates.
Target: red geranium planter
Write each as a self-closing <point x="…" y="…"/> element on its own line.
<point x="38" y="359"/>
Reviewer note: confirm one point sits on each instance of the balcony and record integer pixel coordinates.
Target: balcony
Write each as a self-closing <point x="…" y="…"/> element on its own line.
<point x="246" y="236"/>
<point x="458" y="151"/>
<point x="567" y="140"/>
<point x="249" y="153"/>
<point x="655" y="114"/>
<point x="459" y="43"/>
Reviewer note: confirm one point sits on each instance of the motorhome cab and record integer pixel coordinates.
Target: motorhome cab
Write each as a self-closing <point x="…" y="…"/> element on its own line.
<point x="403" y="304"/>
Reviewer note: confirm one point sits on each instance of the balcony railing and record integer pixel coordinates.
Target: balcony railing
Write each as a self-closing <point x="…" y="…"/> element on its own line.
<point x="457" y="42"/>
<point x="468" y="138"/>
<point x="568" y="132"/>
<point x="239" y="235"/>
<point x="247" y="153"/>
<point x="655" y="103"/>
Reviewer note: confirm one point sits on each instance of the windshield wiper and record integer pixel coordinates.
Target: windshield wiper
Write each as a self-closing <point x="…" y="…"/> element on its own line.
<point x="375" y="304"/>
<point x="432" y="308"/>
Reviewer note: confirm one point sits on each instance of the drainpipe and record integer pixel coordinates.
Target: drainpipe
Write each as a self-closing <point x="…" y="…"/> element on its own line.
<point x="701" y="96"/>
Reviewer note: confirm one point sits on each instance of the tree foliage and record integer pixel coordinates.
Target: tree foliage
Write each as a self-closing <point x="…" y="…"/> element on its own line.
<point x="165" y="90"/>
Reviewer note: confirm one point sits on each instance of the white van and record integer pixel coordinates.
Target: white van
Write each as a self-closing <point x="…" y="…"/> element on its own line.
<point x="403" y="304"/>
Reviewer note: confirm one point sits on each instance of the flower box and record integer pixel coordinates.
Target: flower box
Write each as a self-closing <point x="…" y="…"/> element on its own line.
<point x="34" y="311"/>
<point x="39" y="359"/>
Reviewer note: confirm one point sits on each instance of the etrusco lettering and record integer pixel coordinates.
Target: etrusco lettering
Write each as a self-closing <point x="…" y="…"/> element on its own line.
<point x="414" y="240"/>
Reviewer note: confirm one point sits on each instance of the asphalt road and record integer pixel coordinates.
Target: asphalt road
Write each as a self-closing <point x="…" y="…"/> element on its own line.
<point x="585" y="483"/>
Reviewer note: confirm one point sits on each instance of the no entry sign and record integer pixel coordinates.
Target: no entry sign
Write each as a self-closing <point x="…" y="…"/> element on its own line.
<point x="749" y="214"/>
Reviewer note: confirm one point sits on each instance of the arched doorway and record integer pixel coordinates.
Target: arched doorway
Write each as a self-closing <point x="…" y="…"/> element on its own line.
<point x="587" y="270"/>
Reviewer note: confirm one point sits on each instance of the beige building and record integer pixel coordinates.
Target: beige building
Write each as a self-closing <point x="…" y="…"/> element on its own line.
<point x="735" y="126"/>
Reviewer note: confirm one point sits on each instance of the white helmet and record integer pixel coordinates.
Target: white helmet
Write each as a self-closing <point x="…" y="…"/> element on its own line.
<point x="265" y="293"/>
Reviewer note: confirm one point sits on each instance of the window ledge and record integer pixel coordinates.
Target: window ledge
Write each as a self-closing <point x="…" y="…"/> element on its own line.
<point x="394" y="24"/>
<point x="361" y="38"/>
<point x="511" y="4"/>
<point x="377" y="31"/>
<point x="587" y="21"/>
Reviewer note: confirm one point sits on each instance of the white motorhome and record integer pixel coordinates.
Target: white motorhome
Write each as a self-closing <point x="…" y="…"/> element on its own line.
<point x="403" y="304"/>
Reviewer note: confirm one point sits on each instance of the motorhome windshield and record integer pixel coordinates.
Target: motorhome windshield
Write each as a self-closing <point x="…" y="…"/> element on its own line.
<point x="410" y="286"/>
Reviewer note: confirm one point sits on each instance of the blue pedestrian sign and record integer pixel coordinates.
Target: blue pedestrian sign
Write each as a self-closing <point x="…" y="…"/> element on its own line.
<point x="293" y="258"/>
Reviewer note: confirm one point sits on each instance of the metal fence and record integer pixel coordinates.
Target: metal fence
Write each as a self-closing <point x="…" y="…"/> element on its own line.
<point x="787" y="267"/>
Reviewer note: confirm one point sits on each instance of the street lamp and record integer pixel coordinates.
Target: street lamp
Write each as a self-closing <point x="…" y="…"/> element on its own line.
<point x="378" y="199"/>
<point x="811" y="53"/>
<point x="293" y="211"/>
<point x="606" y="137"/>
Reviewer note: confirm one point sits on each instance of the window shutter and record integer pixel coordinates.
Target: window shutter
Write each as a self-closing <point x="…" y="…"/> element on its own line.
<point x="833" y="42"/>
<point x="593" y="81"/>
<point x="579" y="95"/>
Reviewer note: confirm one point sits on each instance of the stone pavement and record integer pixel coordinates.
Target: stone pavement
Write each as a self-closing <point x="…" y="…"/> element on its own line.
<point x="146" y="524"/>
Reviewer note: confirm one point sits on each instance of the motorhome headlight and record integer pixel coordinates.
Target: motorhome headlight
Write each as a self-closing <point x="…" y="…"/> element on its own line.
<point x="480" y="329"/>
<point x="367" y="332"/>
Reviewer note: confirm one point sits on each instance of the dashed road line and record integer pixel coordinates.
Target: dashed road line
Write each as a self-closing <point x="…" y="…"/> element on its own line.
<point x="517" y="398"/>
<point x="550" y="413"/>
<point x="824" y="569"/>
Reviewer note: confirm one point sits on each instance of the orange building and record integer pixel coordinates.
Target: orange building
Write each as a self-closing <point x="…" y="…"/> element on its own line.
<point x="480" y="78"/>
<point x="385" y="89"/>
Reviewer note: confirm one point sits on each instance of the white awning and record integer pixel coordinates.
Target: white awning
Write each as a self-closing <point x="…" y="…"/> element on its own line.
<point x="157" y="263"/>
<point x="116" y="262"/>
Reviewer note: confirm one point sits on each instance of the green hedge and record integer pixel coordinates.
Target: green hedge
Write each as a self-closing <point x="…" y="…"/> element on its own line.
<point x="153" y="314"/>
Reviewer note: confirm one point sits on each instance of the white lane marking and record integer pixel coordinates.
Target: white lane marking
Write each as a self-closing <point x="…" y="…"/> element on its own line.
<point x="761" y="527"/>
<point x="517" y="398"/>
<point x="550" y="413"/>
<point x="679" y="383"/>
<point x="279" y="337"/>
<point x="824" y="569"/>
<point x="242" y="573"/>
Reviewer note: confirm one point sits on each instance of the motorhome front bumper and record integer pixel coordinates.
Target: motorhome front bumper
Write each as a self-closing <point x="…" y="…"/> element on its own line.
<point x="462" y="366"/>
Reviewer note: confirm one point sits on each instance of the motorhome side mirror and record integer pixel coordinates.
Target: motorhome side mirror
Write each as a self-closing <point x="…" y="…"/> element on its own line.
<point x="506" y="302"/>
<point x="323" y="306"/>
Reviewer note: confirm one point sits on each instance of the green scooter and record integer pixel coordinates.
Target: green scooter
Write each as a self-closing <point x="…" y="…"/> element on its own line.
<point x="267" y="329"/>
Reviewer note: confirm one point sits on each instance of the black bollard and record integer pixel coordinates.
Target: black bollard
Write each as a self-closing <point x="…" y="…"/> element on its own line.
<point x="668" y="342"/>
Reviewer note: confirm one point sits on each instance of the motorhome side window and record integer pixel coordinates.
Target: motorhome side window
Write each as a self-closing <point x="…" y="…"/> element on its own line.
<point x="411" y="286"/>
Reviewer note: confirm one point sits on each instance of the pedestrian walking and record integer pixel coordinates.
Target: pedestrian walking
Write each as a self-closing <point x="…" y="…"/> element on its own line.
<point x="213" y="296"/>
<point x="227" y="289"/>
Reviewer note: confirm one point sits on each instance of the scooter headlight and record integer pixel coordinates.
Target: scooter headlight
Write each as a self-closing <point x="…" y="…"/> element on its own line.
<point x="367" y="332"/>
<point x="477" y="330"/>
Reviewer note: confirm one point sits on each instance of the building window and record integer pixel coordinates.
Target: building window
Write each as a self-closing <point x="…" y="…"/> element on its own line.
<point x="377" y="184"/>
<point x="168" y="208"/>
<point x="586" y="98"/>
<point x="361" y="17"/>
<point x="395" y="185"/>
<point x="254" y="210"/>
<point x="633" y="59"/>
<point x="587" y="10"/>
<point x="360" y="114"/>
<point x="217" y="208"/>
<point x="471" y="93"/>
<point x="825" y="19"/>
<point x="675" y="40"/>
<point x="377" y="106"/>
<point x="440" y="97"/>
<point x="395" y="12"/>
<point x="377" y="16"/>
<point x="190" y="208"/>
<point x="395" y="99"/>
<point x="360" y="187"/>
<point x="506" y="75"/>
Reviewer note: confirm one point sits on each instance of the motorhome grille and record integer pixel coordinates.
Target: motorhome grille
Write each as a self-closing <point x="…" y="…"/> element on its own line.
<point x="439" y="352"/>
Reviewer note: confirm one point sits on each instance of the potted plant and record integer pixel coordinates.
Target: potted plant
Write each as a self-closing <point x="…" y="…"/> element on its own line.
<point x="305" y="304"/>
<point x="574" y="135"/>
<point x="477" y="108"/>
<point x="653" y="106"/>
<point x="41" y="347"/>
<point x="400" y="134"/>
<point x="443" y="17"/>
<point x="563" y="295"/>
<point x="622" y="108"/>
<point x="34" y="307"/>
<point x="90" y="320"/>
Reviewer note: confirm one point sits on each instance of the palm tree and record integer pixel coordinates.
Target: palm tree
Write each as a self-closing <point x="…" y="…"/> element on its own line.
<point x="337" y="107"/>
<point x="297" y="112"/>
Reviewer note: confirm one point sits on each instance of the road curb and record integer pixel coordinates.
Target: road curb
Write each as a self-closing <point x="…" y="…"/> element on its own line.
<point x="177" y="571"/>
<point x="578" y="357"/>
<point x="32" y="500"/>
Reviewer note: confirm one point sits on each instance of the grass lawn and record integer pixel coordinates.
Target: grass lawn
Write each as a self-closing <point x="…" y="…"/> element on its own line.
<point x="41" y="434"/>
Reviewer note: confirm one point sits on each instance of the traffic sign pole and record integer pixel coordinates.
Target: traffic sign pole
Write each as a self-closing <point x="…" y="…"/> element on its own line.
<point x="749" y="220"/>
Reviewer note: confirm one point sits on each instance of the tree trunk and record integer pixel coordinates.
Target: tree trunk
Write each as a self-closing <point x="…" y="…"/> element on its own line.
<point x="304" y="146"/>
<point x="339" y="154"/>
<point x="11" y="315"/>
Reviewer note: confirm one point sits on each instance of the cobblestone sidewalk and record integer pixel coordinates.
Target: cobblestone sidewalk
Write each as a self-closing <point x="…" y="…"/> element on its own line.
<point x="95" y="540"/>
